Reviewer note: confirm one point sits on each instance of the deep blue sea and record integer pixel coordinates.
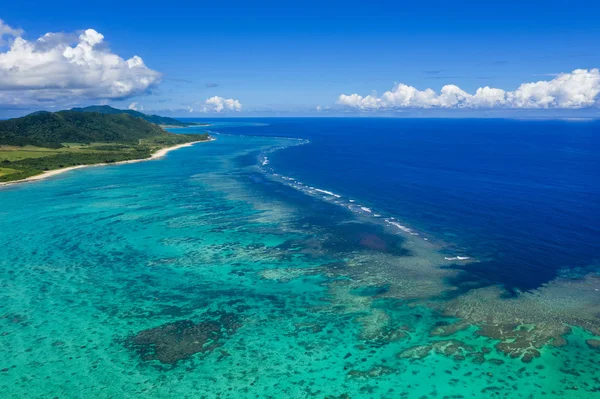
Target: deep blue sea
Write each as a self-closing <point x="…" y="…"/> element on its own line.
<point x="522" y="196"/>
<point x="312" y="258"/>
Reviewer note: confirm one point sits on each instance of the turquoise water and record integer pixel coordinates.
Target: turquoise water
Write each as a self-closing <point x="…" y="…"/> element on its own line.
<point x="199" y="276"/>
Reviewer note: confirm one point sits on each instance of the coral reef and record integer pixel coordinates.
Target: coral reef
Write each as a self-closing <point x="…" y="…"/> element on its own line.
<point x="172" y="342"/>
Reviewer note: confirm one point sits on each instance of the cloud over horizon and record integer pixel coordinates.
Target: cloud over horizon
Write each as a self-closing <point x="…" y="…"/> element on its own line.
<point x="219" y="104"/>
<point x="577" y="89"/>
<point x="135" y="106"/>
<point x="67" y="67"/>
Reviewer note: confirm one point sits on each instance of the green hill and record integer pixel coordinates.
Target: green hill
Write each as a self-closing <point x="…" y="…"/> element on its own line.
<point x="52" y="140"/>
<point x="51" y="129"/>
<point x="156" y="119"/>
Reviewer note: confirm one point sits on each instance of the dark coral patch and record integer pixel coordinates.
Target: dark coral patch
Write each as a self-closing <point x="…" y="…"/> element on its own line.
<point x="450" y="348"/>
<point x="172" y="342"/>
<point x="374" y="372"/>
<point x="593" y="343"/>
<point x="372" y="290"/>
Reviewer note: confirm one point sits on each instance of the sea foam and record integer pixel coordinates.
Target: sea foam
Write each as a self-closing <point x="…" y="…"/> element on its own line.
<point x="330" y="196"/>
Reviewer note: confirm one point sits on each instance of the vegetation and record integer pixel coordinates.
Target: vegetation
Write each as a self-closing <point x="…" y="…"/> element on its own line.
<point x="156" y="119"/>
<point x="52" y="140"/>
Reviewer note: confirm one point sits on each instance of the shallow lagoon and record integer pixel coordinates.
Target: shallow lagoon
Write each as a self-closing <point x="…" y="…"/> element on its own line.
<point x="202" y="275"/>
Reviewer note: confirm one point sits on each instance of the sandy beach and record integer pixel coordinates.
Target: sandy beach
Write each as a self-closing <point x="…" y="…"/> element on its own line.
<point x="157" y="155"/>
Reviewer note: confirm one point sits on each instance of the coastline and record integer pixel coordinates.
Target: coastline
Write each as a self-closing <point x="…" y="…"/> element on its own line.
<point x="184" y="127"/>
<point x="156" y="155"/>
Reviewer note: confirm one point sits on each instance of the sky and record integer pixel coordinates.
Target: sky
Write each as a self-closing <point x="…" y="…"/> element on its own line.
<point x="234" y="58"/>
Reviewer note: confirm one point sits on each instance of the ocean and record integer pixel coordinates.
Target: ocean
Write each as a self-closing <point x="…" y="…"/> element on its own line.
<point x="521" y="196"/>
<point x="313" y="257"/>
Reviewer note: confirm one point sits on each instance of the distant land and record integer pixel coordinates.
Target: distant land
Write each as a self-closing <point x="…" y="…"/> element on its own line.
<point x="156" y="119"/>
<point x="45" y="141"/>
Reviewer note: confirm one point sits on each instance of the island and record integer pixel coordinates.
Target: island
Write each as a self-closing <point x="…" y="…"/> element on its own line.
<point x="34" y="145"/>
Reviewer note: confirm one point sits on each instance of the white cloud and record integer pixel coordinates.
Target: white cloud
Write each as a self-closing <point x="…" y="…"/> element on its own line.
<point x="578" y="89"/>
<point x="218" y="104"/>
<point x="6" y="30"/>
<point x="135" y="106"/>
<point x="61" y="67"/>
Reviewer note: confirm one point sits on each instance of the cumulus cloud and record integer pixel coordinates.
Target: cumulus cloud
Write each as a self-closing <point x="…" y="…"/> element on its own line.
<point x="219" y="104"/>
<point x="59" y="66"/>
<point x="578" y="89"/>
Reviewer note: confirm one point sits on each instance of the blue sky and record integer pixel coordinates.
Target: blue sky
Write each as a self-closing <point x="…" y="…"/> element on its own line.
<point x="290" y="57"/>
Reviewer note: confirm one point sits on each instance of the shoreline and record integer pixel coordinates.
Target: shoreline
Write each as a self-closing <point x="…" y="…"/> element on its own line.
<point x="184" y="127"/>
<point x="155" y="155"/>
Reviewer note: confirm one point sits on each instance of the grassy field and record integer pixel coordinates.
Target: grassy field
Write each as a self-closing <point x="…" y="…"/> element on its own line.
<point x="21" y="162"/>
<point x="12" y="153"/>
<point x="7" y="171"/>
